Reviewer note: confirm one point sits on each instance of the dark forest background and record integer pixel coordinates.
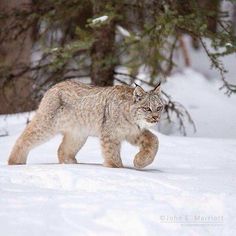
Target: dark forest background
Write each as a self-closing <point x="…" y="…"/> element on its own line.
<point x="45" y="42"/>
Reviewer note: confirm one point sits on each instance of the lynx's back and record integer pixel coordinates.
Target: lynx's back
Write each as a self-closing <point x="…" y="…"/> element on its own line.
<point x="73" y="104"/>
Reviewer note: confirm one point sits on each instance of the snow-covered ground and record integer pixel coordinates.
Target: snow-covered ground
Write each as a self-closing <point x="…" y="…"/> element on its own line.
<point x="188" y="190"/>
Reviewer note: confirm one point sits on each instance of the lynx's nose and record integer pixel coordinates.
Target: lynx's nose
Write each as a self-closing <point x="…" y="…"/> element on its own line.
<point x="156" y="118"/>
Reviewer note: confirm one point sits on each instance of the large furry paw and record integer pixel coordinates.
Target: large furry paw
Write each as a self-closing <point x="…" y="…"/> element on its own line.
<point x="141" y="161"/>
<point x="112" y="164"/>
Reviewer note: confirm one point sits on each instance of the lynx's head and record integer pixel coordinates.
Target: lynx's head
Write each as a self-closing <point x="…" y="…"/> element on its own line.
<point x="147" y="106"/>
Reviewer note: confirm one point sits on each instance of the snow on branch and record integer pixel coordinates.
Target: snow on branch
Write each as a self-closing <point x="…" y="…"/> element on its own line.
<point x="99" y="19"/>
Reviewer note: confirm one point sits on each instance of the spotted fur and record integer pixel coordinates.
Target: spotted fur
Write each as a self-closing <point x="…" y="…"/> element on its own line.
<point x="78" y="111"/>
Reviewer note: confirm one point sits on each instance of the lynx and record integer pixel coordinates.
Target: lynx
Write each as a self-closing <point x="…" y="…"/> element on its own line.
<point x="77" y="111"/>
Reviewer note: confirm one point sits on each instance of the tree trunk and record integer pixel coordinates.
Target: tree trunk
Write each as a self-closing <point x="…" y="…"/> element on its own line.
<point x="211" y="6"/>
<point x="15" y="92"/>
<point x="103" y="50"/>
<point x="234" y="18"/>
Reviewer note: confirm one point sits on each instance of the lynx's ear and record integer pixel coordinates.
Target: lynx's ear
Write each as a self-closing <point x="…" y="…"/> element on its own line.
<point x="138" y="93"/>
<point x="157" y="89"/>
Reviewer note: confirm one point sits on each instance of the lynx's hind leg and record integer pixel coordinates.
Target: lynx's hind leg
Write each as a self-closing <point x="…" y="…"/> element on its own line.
<point x="39" y="130"/>
<point x="69" y="147"/>
<point x="34" y="134"/>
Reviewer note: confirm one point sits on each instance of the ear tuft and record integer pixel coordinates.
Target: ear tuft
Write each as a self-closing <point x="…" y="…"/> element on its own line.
<point x="138" y="93"/>
<point x="157" y="89"/>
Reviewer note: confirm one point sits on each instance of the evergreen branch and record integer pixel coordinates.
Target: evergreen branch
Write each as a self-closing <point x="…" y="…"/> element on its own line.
<point x="230" y="88"/>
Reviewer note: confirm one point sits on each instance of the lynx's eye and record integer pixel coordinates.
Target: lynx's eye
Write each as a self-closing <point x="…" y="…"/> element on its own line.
<point x="146" y="109"/>
<point x="160" y="108"/>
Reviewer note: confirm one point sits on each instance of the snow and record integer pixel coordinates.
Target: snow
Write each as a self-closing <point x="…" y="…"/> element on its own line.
<point x="99" y="19"/>
<point x="124" y="32"/>
<point x="188" y="190"/>
<point x="212" y="111"/>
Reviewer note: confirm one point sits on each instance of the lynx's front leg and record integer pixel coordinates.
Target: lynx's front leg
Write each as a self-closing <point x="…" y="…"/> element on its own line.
<point x="111" y="152"/>
<point x="69" y="147"/>
<point x="148" y="144"/>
